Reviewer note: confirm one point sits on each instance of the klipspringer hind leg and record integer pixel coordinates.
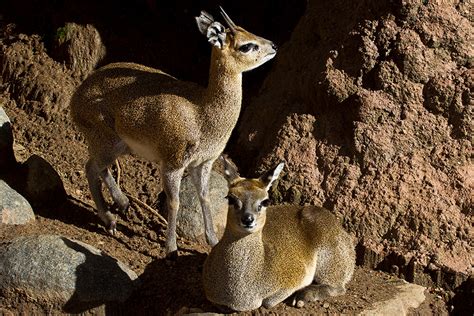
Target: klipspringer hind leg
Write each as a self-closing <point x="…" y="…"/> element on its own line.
<point x="120" y="199"/>
<point x="96" y="172"/>
<point x="200" y="176"/>
<point x="334" y="270"/>
<point x="93" y="173"/>
<point x="171" y="185"/>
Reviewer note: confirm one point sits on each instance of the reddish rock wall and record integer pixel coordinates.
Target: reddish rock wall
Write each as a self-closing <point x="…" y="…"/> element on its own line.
<point x="370" y="106"/>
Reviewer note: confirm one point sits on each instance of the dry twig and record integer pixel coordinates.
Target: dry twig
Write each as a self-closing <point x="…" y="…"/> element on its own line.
<point x="147" y="207"/>
<point x="137" y="201"/>
<point x="119" y="171"/>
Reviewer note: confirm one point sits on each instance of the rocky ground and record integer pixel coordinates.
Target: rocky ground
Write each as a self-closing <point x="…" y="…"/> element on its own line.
<point x="369" y="105"/>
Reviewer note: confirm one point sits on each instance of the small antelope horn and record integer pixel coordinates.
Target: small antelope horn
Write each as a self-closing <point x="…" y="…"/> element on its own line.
<point x="228" y="20"/>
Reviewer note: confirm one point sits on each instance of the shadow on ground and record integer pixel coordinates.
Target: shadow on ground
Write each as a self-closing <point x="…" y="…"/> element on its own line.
<point x="168" y="286"/>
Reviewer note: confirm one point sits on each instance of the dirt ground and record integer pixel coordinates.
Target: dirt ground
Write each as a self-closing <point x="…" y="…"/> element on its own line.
<point x="33" y="91"/>
<point x="169" y="288"/>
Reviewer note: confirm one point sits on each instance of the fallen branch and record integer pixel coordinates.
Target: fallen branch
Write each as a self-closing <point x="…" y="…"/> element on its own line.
<point x="134" y="199"/>
<point x="119" y="171"/>
<point x="149" y="208"/>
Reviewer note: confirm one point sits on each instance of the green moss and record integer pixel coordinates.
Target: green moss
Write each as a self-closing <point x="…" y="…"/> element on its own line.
<point x="61" y="34"/>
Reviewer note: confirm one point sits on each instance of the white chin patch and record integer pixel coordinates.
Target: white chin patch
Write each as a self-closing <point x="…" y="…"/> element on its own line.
<point x="248" y="228"/>
<point x="263" y="60"/>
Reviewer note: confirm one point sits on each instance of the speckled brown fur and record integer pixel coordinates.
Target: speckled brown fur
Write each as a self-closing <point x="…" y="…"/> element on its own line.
<point x="126" y="107"/>
<point x="283" y="250"/>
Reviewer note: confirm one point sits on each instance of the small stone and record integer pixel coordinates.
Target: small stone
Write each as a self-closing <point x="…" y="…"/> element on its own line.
<point x="432" y="267"/>
<point x="194" y="310"/>
<point x="394" y="269"/>
<point x="183" y="310"/>
<point x="300" y="304"/>
<point x="326" y="305"/>
<point x="14" y="208"/>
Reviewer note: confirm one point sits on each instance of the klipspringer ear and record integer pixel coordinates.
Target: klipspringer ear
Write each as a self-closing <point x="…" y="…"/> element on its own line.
<point x="230" y="170"/>
<point x="214" y="31"/>
<point x="270" y="176"/>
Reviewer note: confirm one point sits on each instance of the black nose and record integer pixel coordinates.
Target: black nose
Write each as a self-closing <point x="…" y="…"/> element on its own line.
<point x="247" y="219"/>
<point x="274" y="46"/>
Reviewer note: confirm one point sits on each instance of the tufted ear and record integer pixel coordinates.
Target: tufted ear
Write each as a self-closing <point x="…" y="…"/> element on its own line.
<point x="270" y="176"/>
<point x="214" y="31"/>
<point x="230" y="170"/>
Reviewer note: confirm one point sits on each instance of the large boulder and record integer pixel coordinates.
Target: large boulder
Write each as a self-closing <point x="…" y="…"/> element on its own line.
<point x="190" y="222"/>
<point x="43" y="185"/>
<point x="61" y="274"/>
<point x="190" y="219"/>
<point x="14" y="208"/>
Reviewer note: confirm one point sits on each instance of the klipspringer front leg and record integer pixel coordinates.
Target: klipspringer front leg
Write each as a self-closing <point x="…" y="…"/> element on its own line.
<point x="171" y="185"/>
<point x="200" y="176"/>
<point x="277" y="298"/>
<point x="316" y="292"/>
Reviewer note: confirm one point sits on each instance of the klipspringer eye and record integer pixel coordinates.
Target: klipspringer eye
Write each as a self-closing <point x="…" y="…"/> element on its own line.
<point x="264" y="203"/>
<point x="247" y="47"/>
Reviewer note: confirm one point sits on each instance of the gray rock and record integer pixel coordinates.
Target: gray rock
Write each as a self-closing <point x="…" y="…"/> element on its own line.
<point x="7" y="158"/>
<point x="190" y="222"/>
<point x="43" y="184"/>
<point x="14" y="208"/>
<point x="57" y="270"/>
<point x="408" y="297"/>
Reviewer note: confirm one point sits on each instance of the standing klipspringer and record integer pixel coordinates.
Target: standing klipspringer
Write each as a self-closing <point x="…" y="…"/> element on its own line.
<point x="126" y="107"/>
